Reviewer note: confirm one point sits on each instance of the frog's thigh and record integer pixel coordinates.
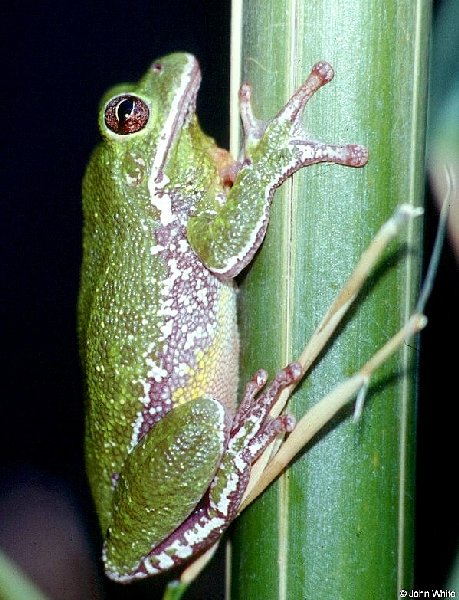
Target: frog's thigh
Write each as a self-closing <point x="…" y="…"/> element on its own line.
<point x="165" y="476"/>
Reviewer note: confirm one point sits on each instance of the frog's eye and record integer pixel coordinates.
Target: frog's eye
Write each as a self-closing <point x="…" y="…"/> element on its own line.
<point x="126" y="114"/>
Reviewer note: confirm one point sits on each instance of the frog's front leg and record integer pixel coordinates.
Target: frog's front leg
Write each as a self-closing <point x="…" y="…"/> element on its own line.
<point x="217" y="454"/>
<point x="226" y="232"/>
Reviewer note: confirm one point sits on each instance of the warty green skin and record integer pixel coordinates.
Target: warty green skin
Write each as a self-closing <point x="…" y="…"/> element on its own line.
<point x="121" y="280"/>
<point x="164" y="233"/>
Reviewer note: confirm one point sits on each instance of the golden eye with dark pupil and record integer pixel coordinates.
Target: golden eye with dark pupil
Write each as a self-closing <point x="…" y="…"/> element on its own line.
<point x="126" y="114"/>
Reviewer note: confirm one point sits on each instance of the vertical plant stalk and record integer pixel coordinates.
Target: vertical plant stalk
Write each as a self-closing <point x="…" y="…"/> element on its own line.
<point x="339" y="523"/>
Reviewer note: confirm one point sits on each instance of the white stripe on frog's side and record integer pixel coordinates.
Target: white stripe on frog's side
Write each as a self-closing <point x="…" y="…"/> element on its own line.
<point x="188" y="303"/>
<point x="184" y="100"/>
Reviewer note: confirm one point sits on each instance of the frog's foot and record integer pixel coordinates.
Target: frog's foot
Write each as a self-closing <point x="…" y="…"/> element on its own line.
<point x="285" y="133"/>
<point x="251" y="433"/>
<point x="252" y="417"/>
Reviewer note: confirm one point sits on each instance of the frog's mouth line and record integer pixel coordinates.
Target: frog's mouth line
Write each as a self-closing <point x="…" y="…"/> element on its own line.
<point x="182" y="108"/>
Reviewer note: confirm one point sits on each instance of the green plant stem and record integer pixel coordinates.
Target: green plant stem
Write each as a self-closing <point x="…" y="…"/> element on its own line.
<point x="15" y="584"/>
<point x="339" y="524"/>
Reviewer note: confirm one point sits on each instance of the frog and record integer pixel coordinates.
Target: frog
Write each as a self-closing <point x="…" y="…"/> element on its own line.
<point x="170" y="219"/>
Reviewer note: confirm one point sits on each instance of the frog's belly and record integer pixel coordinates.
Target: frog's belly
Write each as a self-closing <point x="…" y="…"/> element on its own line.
<point x="206" y="347"/>
<point x="198" y="342"/>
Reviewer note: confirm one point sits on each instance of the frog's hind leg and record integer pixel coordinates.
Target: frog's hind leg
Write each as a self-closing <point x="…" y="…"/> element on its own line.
<point x="252" y="432"/>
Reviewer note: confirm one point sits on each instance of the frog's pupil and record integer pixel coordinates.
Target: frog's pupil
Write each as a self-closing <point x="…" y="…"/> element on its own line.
<point x="125" y="110"/>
